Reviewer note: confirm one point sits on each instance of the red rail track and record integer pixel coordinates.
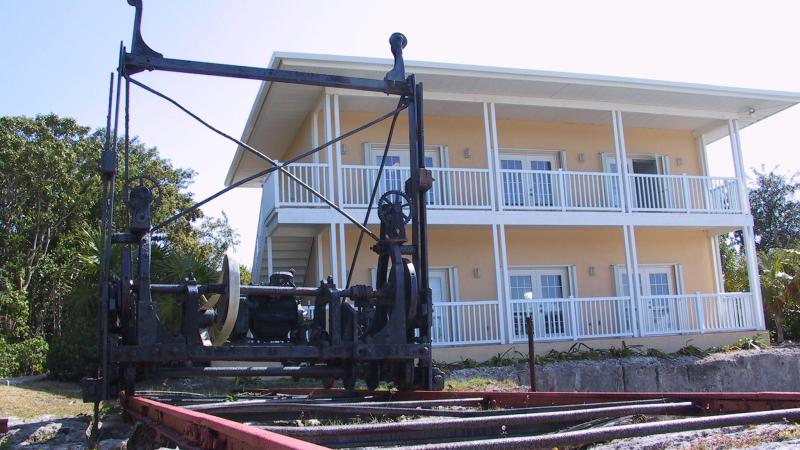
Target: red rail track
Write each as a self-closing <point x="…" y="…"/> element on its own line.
<point x="193" y="429"/>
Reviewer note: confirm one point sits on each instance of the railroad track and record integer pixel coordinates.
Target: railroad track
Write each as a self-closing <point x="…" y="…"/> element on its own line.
<point x="333" y="418"/>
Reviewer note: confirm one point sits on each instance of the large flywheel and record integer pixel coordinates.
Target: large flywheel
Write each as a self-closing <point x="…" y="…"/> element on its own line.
<point x="225" y="305"/>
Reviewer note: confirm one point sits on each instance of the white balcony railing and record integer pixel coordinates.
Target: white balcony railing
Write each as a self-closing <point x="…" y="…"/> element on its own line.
<point x="560" y="319"/>
<point x="559" y="190"/>
<point x="284" y="191"/>
<point x="466" y="322"/>
<point x="453" y="188"/>
<point x="684" y="193"/>
<point x="698" y="313"/>
<point x="471" y="189"/>
<point x="572" y="318"/>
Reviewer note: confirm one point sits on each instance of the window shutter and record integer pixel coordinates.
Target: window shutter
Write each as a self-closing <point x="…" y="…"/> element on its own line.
<point x="573" y="280"/>
<point x="664" y="160"/>
<point x="679" y="288"/>
<point x="562" y="160"/>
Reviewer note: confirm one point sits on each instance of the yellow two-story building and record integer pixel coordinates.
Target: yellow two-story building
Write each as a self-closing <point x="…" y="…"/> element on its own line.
<point x="554" y="194"/>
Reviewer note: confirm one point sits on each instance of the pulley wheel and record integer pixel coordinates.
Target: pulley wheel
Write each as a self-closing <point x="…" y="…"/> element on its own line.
<point x="225" y="305"/>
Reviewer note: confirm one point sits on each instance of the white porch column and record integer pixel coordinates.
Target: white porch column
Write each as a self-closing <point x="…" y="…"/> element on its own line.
<point x="320" y="265"/>
<point x="496" y="159"/>
<point x="502" y="304"/>
<point x="493" y="173"/>
<point x="257" y="254"/>
<point x="738" y="164"/>
<point x="315" y="134"/>
<point x="716" y="260"/>
<point x="622" y="161"/>
<point x="634" y="280"/>
<point x="702" y="154"/>
<point x="337" y="127"/>
<point x="269" y="257"/>
<point x="506" y="302"/>
<point x="333" y="255"/>
<point x="629" y="270"/>
<point x="328" y="120"/>
<point x="343" y="256"/>
<point x="338" y="151"/>
<point x="753" y="277"/>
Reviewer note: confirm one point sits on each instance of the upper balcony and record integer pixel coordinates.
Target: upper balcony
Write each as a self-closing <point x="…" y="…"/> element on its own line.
<point x="472" y="189"/>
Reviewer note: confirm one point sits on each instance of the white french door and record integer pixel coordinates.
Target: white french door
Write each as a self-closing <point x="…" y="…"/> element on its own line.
<point x="657" y="284"/>
<point x="397" y="169"/>
<point x="646" y="191"/>
<point x="445" y="321"/>
<point x="550" y="318"/>
<point x="522" y="188"/>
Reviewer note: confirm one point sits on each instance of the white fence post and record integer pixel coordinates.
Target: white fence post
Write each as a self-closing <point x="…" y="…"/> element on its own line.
<point x="687" y="200"/>
<point x="701" y="317"/>
<point x="573" y="320"/>
<point x="562" y="187"/>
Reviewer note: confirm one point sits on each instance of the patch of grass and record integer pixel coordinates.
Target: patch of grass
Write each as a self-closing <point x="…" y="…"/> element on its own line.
<point x="479" y="384"/>
<point x="755" y="342"/>
<point x="656" y="353"/>
<point x="42" y="397"/>
<point x="582" y="352"/>
<point x="790" y="434"/>
<point x="691" y="350"/>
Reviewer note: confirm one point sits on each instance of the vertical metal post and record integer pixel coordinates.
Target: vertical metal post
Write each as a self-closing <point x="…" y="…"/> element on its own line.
<point x="419" y="221"/>
<point x="531" y="353"/>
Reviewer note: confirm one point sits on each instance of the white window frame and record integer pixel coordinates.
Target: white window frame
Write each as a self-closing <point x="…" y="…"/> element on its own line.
<point x="662" y="161"/>
<point x="373" y="149"/>
<point x="675" y="269"/>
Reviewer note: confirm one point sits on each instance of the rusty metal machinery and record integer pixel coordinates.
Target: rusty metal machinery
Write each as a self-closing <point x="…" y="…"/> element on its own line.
<point x="349" y="333"/>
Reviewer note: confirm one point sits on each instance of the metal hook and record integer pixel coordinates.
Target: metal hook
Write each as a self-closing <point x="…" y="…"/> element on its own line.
<point x="398" y="73"/>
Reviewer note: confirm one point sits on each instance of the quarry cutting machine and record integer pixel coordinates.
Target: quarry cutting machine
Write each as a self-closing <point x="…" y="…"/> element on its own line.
<point x="328" y="332"/>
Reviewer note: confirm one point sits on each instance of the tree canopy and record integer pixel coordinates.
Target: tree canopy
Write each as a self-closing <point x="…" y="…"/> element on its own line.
<point x="776" y="210"/>
<point x="50" y="219"/>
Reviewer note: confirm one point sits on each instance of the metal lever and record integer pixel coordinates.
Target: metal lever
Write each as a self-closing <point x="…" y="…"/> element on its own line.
<point x="398" y="73"/>
<point x="138" y="46"/>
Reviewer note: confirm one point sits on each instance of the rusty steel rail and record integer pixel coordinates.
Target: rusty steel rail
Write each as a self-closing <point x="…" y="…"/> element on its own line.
<point x="710" y="402"/>
<point x="195" y="430"/>
<point x="617" y="432"/>
<point x="496" y="420"/>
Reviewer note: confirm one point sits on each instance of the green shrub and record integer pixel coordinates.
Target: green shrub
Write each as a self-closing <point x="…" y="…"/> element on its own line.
<point x="22" y="358"/>
<point x="31" y="355"/>
<point x="73" y="353"/>
<point x="9" y="366"/>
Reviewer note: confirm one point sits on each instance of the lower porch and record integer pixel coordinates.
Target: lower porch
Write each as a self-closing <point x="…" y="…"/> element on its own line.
<point x="573" y="319"/>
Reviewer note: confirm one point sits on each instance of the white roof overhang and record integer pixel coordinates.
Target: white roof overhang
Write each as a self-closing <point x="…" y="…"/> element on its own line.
<point x="453" y="89"/>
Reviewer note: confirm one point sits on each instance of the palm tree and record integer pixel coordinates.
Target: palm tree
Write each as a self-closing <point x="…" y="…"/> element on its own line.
<point x="780" y="283"/>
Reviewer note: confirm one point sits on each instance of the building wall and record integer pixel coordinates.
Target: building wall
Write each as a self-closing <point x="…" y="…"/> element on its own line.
<point x="459" y="133"/>
<point x="470" y="248"/>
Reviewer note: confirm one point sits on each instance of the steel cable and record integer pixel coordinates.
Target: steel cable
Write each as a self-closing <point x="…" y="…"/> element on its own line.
<point x="276" y="165"/>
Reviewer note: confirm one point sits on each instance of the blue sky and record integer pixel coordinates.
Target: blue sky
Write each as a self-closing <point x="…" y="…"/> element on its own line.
<point x="57" y="56"/>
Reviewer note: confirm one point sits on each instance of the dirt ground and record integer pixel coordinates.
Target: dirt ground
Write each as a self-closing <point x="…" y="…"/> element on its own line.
<point x="49" y="414"/>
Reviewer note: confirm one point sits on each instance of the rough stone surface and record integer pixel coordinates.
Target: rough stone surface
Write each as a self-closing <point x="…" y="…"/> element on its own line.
<point x="776" y="369"/>
<point x="63" y="433"/>
<point x="46" y="432"/>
